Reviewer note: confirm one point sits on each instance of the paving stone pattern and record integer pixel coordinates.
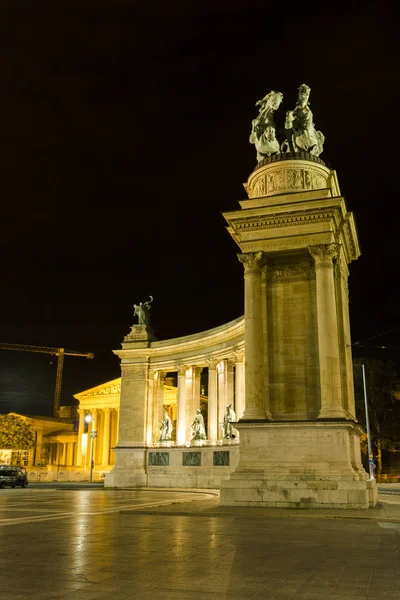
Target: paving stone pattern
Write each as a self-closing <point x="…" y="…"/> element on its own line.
<point x="194" y="550"/>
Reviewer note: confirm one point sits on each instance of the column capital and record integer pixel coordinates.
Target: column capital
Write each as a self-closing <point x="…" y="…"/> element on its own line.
<point x="252" y="262"/>
<point x="239" y="356"/>
<point x="323" y="255"/>
<point x="106" y="410"/>
<point x="81" y="412"/>
<point x="212" y="363"/>
<point x="230" y="361"/>
<point x="182" y="369"/>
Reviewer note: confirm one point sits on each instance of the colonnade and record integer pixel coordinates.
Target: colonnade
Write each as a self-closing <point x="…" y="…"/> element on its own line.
<point x="59" y="453"/>
<point x="225" y="386"/>
<point x="104" y="422"/>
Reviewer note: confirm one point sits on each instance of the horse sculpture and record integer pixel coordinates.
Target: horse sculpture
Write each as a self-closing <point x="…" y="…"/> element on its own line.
<point x="263" y="127"/>
<point x="300" y="129"/>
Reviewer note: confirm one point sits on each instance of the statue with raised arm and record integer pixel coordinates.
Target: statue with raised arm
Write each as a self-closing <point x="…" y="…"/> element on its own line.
<point x="198" y="427"/>
<point x="229" y="417"/>
<point x="299" y="126"/>
<point x="263" y="127"/>
<point x="165" y="428"/>
<point x="142" y="311"/>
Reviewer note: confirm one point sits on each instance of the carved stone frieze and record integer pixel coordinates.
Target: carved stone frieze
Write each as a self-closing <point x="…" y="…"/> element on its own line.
<point x="134" y="372"/>
<point x="287" y="176"/>
<point x="285" y="272"/>
<point x="323" y="255"/>
<point x="268" y="245"/>
<point x="114" y="389"/>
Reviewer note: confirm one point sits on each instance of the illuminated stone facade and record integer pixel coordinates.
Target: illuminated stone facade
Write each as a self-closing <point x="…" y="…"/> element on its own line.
<point x="299" y="439"/>
<point x="141" y="460"/>
<point x="293" y="394"/>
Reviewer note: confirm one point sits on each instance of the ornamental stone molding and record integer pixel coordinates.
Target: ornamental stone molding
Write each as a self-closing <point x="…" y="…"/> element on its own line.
<point x="286" y="272"/>
<point x="320" y="216"/>
<point x="252" y="262"/>
<point x="133" y="371"/>
<point x="283" y="177"/>
<point x="323" y="255"/>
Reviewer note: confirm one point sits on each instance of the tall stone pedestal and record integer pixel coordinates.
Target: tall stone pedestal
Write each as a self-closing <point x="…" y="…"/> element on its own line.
<point x="299" y="465"/>
<point x="136" y="389"/>
<point x="299" y="441"/>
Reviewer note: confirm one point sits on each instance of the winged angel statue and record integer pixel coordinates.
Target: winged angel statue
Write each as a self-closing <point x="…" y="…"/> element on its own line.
<point x="142" y="311"/>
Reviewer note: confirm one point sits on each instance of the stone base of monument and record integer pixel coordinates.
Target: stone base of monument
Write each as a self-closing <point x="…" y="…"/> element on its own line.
<point x="129" y="470"/>
<point x="299" y="465"/>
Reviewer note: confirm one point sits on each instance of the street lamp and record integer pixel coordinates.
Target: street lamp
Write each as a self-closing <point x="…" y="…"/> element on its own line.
<point x="93" y="435"/>
<point x="370" y="454"/>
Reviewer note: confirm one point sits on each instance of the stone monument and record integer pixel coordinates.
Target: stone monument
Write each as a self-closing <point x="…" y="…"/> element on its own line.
<point x="299" y="436"/>
<point x="133" y="420"/>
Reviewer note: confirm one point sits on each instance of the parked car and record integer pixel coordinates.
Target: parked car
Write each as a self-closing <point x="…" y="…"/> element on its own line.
<point x="12" y="476"/>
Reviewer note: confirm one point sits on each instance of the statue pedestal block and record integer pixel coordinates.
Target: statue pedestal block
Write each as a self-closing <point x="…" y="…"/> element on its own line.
<point x="140" y="333"/>
<point x="165" y="444"/>
<point x="129" y="469"/>
<point x="198" y="442"/>
<point x="299" y="465"/>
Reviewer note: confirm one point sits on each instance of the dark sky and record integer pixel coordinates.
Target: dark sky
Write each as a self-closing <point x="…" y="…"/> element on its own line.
<point x="124" y="135"/>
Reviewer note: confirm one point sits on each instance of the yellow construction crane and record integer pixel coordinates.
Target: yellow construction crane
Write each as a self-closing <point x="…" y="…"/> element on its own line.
<point x="60" y="353"/>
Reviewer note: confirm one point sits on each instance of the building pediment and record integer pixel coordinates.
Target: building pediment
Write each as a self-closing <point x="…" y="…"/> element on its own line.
<point x="110" y="388"/>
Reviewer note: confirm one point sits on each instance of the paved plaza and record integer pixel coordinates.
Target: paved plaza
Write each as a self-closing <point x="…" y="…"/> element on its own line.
<point x="94" y="544"/>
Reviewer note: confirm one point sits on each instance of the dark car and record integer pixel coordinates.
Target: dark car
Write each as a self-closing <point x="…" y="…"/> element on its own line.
<point x="12" y="476"/>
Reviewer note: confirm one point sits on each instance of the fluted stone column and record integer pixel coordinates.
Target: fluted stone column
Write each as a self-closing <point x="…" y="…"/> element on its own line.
<point x="181" y="409"/>
<point x="81" y="430"/>
<point x="212" y="401"/>
<point x="222" y="394"/>
<point x="38" y="447"/>
<point x="106" y="437"/>
<point x="150" y="403"/>
<point x="265" y="335"/>
<point x="158" y="395"/>
<point x="328" y="341"/>
<point x="239" y="385"/>
<point x="93" y="427"/>
<point x="62" y="457"/>
<point x="230" y="386"/>
<point x="253" y="335"/>
<point x="70" y="454"/>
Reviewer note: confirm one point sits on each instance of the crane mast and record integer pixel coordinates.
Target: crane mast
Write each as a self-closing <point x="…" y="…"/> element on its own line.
<point x="60" y="353"/>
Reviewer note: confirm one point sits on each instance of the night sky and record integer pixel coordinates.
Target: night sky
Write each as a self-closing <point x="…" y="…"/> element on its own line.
<point x="124" y="136"/>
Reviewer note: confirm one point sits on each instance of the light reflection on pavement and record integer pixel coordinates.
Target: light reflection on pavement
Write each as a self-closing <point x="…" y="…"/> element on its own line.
<point x="22" y="506"/>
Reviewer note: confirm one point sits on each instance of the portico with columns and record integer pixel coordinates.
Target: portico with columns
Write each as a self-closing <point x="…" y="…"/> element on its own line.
<point x="215" y="357"/>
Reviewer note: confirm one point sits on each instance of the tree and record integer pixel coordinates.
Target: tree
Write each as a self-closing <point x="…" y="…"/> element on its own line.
<point x="383" y="385"/>
<point x="15" y="433"/>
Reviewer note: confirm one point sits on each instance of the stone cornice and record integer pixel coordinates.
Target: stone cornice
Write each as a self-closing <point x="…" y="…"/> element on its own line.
<point x="193" y="350"/>
<point x="322" y="215"/>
